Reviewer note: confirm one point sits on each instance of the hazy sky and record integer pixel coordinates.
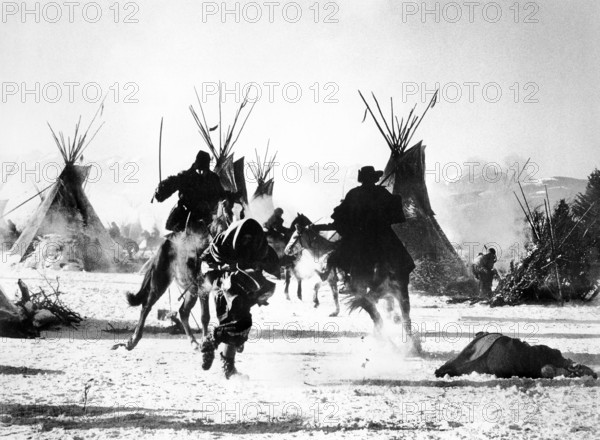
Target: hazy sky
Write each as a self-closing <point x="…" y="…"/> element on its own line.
<point x="384" y="46"/>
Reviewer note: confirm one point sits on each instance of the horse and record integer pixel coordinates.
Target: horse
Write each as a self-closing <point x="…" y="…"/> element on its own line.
<point x="150" y="241"/>
<point x="279" y="241"/>
<point x="179" y="260"/>
<point x="365" y="291"/>
<point x="320" y="252"/>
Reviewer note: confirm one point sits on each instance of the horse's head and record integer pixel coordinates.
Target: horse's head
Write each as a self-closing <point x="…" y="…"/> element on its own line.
<point x="303" y="237"/>
<point x="301" y="220"/>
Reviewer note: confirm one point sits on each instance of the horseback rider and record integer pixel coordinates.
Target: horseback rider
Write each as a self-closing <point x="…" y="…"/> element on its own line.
<point x="242" y="251"/>
<point x="483" y="270"/>
<point x="364" y="220"/>
<point x="274" y="225"/>
<point x="200" y="191"/>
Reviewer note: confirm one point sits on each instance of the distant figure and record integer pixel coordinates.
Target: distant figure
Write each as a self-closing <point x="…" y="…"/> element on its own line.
<point x="114" y="231"/>
<point x="505" y="357"/>
<point x="12" y="229"/>
<point x="274" y="225"/>
<point x="10" y="234"/>
<point x="483" y="270"/>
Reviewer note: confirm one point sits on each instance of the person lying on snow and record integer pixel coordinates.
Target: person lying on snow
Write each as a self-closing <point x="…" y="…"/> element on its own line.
<point x="505" y="357"/>
<point x="236" y="259"/>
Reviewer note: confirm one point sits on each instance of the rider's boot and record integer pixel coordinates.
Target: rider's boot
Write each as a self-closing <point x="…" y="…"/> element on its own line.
<point x="228" y="366"/>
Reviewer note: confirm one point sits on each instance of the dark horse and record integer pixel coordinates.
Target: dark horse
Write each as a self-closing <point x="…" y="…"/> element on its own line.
<point x="366" y="291"/>
<point x="179" y="261"/>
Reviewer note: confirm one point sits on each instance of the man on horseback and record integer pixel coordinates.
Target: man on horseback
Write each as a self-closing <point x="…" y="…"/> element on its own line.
<point x="200" y="191"/>
<point x="236" y="259"/>
<point x="369" y="250"/>
<point x="274" y="225"/>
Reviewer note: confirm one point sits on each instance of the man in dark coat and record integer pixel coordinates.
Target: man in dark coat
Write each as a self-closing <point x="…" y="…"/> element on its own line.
<point x="505" y="357"/>
<point x="364" y="220"/>
<point x="274" y="225"/>
<point x="483" y="270"/>
<point x="200" y="191"/>
<point x="243" y="252"/>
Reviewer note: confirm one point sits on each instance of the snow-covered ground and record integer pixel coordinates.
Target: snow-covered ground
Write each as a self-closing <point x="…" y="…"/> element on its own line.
<point x="309" y="375"/>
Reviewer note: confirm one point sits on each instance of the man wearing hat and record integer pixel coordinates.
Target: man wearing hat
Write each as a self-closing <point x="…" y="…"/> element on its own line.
<point x="200" y="191"/>
<point x="368" y="243"/>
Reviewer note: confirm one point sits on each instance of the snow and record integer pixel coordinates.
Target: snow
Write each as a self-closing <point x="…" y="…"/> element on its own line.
<point x="309" y="375"/>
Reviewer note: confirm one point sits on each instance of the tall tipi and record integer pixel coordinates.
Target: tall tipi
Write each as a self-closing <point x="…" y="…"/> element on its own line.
<point x="404" y="174"/>
<point x="67" y="212"/>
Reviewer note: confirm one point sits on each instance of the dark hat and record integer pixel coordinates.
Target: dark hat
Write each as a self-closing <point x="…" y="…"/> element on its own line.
<point x="202" y="160"/>
<point x="368" y="174"/>
<point x="278" y="211"/>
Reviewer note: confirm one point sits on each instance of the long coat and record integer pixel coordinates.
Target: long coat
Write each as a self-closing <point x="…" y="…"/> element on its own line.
<point x="199" y="195"/>
<point x="364" y="220"/>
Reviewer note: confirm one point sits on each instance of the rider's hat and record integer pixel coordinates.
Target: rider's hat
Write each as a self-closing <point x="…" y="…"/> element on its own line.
<point x="368" y="174"/>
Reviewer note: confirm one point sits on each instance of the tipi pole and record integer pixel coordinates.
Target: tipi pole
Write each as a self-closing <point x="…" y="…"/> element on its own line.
<point x="30" y="198"/>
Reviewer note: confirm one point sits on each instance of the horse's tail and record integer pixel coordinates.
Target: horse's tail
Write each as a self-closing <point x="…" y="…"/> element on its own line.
<point x="136" y="299"/>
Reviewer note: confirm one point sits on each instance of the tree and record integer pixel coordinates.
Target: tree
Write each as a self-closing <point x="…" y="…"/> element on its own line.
<point x="587" y="209"/>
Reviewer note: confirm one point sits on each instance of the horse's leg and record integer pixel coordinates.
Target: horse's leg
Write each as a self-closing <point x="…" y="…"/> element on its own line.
<point x="404" y="303"/>
<point x="156" y="281"/>
<point x="316" y="294"/>
<point x="332" y="280"/>
<point x="367" y="304"/>
<point x="389" y="299"/>
<point x="205" y="309"/>
<point x="189" y="301"/>
<point x="288" y="277"/>
<point x="371" y="308"/>
<point x="299" y="288"/>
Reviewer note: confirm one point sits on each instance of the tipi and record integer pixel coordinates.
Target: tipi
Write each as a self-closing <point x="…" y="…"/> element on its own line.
<point x="261" y="205"/>
<point x="67" y="212"/>
<point x="404" y="174"/>
<point x="229" y="170"/>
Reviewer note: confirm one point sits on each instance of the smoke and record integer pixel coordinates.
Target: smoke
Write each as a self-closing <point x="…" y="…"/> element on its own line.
<point x="187" y="262"/>
<point x="261" y="208"/>
<point x="479" y="208"/>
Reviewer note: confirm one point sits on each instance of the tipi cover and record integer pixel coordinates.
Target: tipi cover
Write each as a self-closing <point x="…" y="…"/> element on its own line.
<point x="66" y="210"/>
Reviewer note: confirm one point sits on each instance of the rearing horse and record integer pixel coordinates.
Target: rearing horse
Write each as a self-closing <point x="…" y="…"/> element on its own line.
<point x="179" y="260"/>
